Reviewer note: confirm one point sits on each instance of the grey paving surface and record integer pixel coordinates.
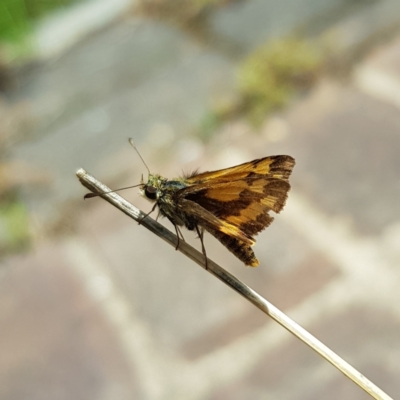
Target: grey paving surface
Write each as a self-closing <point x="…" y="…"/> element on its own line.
<point x="110" y="312"/>
<point x="250" y="24"/>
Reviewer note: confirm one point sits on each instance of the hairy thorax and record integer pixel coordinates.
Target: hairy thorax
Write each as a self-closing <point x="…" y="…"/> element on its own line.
<point x="163" y="191"/>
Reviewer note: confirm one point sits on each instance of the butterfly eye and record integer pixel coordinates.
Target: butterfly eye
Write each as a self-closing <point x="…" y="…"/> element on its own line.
<point x="151" y="192"/>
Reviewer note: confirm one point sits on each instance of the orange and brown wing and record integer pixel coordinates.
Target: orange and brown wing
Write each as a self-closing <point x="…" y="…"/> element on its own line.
<point x="241" y="193"/>
<point x="239" y="199"/>
<point x="207" y="218"/>
<point x="279" y="167"/>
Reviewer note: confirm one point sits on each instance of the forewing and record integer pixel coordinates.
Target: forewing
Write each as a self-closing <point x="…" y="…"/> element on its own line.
<point x="279" y="167"/>
<point x="241" y="196"/>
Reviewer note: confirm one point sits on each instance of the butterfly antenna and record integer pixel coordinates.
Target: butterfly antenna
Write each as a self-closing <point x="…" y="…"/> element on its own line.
<point x="137" y="151"/>
<point x="90" y="195"/>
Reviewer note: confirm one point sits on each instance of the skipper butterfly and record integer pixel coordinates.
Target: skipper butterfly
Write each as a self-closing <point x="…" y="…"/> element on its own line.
<point x="232" y="204"/>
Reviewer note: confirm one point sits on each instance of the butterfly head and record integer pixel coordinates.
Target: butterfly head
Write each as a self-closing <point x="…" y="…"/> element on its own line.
<point x="152" y="189"/>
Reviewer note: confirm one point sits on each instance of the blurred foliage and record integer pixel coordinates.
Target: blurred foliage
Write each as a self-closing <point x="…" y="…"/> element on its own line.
<point x="14" y="221"/>
<point x="270" y="76"/>
<point x="14" y="226"/>
<point x="18" y="16"/>
<point x="267" y="80"/>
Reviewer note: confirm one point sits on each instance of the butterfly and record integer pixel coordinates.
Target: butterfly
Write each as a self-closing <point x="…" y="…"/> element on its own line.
<point x="232" y="204"/>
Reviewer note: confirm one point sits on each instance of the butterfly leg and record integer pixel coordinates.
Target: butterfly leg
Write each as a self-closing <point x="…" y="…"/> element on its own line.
<point x="178" y="234"/>
<point x="200" y="233"/>
<point x="146" y="215"/>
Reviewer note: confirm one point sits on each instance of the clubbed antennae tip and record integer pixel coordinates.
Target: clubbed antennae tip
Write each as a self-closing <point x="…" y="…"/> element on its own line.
<point x="137" y="151"/>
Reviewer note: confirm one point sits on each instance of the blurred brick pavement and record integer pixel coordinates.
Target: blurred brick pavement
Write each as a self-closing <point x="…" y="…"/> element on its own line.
<point x="114" y="313"/>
